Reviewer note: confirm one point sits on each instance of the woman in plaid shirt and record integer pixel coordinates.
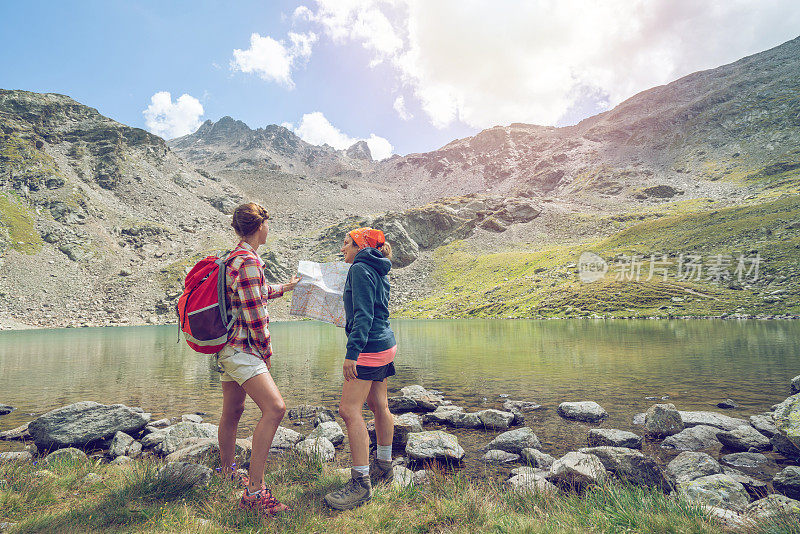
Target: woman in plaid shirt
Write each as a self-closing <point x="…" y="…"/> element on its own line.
<point x="245" y="359"/>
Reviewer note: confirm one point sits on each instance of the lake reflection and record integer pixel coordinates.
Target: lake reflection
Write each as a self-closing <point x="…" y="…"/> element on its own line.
<point x="615" y="363"/>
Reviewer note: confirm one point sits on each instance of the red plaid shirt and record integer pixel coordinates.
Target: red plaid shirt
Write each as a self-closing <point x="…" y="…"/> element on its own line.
<point x="248" y="295"/>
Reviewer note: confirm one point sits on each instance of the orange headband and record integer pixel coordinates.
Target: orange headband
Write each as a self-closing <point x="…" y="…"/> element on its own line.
<point x="367" y="237"/>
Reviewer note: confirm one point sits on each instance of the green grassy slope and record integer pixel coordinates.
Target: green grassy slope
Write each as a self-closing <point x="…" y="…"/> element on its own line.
<point x="545" y="282"/>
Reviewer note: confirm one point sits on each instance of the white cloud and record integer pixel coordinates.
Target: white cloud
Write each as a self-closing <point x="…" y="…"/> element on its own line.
<point x="400" y="108"/>
<point x="303" y="13"/>
<point x="170" y="120"/>
<point x="521" y="61"/>
<point x="273" y="60"/>
<point x="379" y="147"/>
<point x="316" y="129"/>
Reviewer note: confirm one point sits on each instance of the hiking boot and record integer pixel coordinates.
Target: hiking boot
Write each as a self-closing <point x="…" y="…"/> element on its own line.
<point x="355" y="493"/>
<point x="262" y="502"/>
<point x="381" y="471"/>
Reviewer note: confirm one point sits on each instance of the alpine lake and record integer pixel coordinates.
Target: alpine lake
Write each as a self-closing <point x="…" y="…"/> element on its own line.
<point x="624" y="365"/>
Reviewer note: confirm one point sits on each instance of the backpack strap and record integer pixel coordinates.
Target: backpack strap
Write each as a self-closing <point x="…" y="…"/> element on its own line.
<point x="222" y="290"/>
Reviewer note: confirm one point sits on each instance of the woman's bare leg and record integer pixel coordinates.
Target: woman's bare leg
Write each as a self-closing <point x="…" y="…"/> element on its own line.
<point x="262" y="389"/>
<point x="354" y="393"/>
<point x="232" y="407"/>
<point x="378" y="402"/>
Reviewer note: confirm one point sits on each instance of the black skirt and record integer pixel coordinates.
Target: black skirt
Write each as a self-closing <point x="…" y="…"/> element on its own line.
<point x="376" y="374"/>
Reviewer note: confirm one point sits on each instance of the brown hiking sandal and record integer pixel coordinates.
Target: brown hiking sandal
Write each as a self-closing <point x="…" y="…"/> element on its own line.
<point x="355" y="493"/>
<point x="381" y="471"/>
<point x="262" y="502"/>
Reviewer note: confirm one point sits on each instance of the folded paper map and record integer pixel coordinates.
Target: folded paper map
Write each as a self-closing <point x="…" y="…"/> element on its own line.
<point x="318" y="294"/>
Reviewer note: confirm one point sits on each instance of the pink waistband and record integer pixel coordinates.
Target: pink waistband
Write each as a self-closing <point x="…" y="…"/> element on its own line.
<point x="377" y="359"/>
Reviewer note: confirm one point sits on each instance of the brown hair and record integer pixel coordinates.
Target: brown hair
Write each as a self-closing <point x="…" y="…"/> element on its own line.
<point x="247" y="218"/>
<point x="386" y="250"/>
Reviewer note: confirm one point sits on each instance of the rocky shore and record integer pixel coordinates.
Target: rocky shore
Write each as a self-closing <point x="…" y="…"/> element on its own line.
<point x="737" y="469"/>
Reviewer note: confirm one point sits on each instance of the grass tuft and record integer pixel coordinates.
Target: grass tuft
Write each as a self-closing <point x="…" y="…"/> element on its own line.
<point x="133" y="498"/>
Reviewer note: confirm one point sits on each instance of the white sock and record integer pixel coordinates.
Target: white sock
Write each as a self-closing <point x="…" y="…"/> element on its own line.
<point x="385" y="452"/>
<point x="362" y="470"/>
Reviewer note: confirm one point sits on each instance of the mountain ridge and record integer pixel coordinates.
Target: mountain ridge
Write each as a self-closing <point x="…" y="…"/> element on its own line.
<point x="114" y="214"/>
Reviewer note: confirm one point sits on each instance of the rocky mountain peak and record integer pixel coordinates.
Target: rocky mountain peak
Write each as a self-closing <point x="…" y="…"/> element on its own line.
<point x="53" y="118"/>
<point x="227" y="129"/>
<point x="359" y="150"/>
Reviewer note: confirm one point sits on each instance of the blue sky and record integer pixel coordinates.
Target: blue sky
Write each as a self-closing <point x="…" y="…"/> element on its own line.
<point x="409" y="75"/>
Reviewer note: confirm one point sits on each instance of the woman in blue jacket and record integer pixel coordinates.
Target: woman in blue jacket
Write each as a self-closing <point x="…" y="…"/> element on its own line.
<point x="369" y="360"/>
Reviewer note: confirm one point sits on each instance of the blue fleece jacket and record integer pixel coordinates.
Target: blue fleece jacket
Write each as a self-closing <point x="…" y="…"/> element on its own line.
<point x="366" y="304"/>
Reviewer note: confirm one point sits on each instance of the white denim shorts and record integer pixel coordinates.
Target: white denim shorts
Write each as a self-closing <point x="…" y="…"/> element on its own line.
<point x="237" y="366"/>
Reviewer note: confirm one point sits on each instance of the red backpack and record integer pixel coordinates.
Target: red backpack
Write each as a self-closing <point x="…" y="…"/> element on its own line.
<point x="203" y="308"/>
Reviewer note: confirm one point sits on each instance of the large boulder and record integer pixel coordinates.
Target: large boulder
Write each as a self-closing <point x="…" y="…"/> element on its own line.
<point x="430" y="445"/>
<point x="531" y="483"/>
<point x="330" y="430"/>
<point x="537" y="459"/>
<point x="496" y="456"/>
<point x="84" y="422"/>
<point x="787" y="419"/>
<point x="320" y="448"/>
<point x="794" y="386"/>
<point x="718" y="490"/>
<point x="5" y="409"/>
<point x="70" y="455"/>
<point x="715" y="419"/>
<point x="18" y="433"/>
<point x="757" y="489"/>
<point x="747" y="460"/>
<point x="787" y="482"/>
<point x="577" y="469"/>
<point x="521" y="406"/>
<point x="517" y="210"/>
<point x="784" y="446"/>
<point x="690" y="465"/>
<point x="404" y="249"/>
<point x="465" y="420"/>
<point x="694" y="438"/>
<point x="206" y="451"/>
<point x="453" y="416"/>
<point x="404" y="425"/>
<point x="429" y="226"/>
<point x="588" y="411"/>
<point x="119" y="445"/>
<point x="324" y="417"/>
<point x="764" y="424"/>
<point x="185" y="474"/>
<point x="662" y="420"/>
<point x="630" y="465"/>
<point x="402" y="404"/>
<point x="425" y="400"/>
<point x="495" y="419"/>
<point x="773" y="507"/>
<point x="528" y="470"/>
<point x="515" y="441"/>
<point x="444" y="415"/>
<point x="403" y="476"/>
<point x="173" y="436"/>
<point x="599" y="437"/>
<point x="744" y="438"/>
<point x="285" y="438"/>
